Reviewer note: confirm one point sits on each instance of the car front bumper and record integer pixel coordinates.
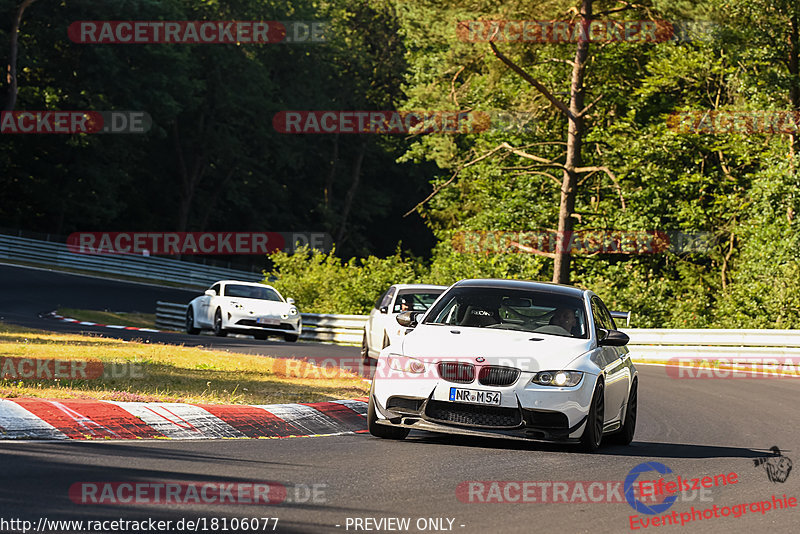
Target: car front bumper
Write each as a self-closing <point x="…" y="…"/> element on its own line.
<point x="526" y="411"/>
<point x="247" y="323"/>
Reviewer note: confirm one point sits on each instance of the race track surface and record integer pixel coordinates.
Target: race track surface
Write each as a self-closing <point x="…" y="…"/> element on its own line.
<point x="28" y="293"/>
<point x="694" y="427"/>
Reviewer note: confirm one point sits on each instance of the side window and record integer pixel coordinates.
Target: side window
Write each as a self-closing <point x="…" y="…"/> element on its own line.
<point x="599" y="316"/>
<point x="215" y="287"/>
<point x="380" y="299"/>
<point x="607" y="319"/>
<point x="387" y="298"/>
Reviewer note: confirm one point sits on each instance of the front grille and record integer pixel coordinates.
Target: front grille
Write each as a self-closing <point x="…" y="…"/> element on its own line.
<point x="492" y="375"/>
<point x="404" y="404"/>
<point x="473" y="414"/>
<point x="462" y="373"/>
<point x="252" y="322"/>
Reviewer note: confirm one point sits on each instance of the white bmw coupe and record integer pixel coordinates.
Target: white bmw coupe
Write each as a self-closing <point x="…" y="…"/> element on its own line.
<point x="244" y="307"/>
<point x="514" y="359"/>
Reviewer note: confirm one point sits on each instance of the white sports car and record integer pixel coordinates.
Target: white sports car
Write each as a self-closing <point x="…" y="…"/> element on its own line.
<point x="382" y="329"/>
<point x="513" y="359"/>
<point x="244" y="307"/>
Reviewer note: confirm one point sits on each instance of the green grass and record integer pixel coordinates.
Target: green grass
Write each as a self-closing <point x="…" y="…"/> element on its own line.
<point x="141" y="320"/>
<point x="139" y="371"/>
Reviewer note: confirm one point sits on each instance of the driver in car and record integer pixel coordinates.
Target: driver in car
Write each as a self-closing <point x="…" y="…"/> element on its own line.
<point x="565" y="318"/>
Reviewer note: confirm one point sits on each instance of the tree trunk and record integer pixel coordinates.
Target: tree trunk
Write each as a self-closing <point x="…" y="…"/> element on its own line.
<point x="328" y="187"/>
<point x="574" y="144"/>
<point x="351" y="192"/>
<point x="190" y="178"/>
<point x="11" y="75"/>
<point x="794" y="80"/>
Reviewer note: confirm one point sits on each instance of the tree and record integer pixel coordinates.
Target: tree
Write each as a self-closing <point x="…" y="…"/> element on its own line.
<point x="11" y="70"/>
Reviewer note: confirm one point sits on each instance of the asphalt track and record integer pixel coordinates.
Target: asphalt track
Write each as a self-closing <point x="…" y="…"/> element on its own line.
<point x="695" y="427"/>
<point x="27" y="293"/>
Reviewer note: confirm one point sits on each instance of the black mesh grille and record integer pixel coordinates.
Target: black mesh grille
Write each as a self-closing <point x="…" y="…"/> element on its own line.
<point x="493" y="375"/>
<point x="252" y="322"/>
<point x="401" y="404"/>
<point x="550" y="420"/>
<point x="462" y="373"/>
<point x="473" y="414"/>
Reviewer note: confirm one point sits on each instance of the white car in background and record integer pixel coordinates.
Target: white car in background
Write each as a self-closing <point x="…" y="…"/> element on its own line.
<point x="507" y="358"/>
<point x="245" y="308"/>
<point x="382" y="328"/>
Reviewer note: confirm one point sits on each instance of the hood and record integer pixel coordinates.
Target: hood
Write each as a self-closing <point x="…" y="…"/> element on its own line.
<point x="528" y="351"/>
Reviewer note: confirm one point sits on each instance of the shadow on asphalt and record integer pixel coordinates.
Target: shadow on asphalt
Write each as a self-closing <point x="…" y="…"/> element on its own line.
<point x="637" y="449"/>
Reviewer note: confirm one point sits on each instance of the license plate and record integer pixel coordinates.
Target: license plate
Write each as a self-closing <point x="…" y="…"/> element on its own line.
<point x="474" y="396"/>
<point x="267" y="320"/>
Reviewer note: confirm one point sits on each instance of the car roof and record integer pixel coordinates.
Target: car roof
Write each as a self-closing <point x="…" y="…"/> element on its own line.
<point x="547" y="287"/>
<point x="417" y="286"/>
<point x="256" y="284"/>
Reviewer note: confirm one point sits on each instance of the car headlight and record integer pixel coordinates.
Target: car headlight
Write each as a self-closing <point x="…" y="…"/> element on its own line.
<point x="406" y="364"/>
<point x="292" y="311"/>
<point x="562" y="379"/>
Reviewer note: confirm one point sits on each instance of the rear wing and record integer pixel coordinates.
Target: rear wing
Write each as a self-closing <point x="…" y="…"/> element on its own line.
<point x="622" y="315"/>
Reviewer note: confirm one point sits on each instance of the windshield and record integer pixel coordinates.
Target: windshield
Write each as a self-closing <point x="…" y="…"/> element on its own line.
<point x="252" y="292"/>
<point x="511" y="309"/>
<point x="415" y="301"/>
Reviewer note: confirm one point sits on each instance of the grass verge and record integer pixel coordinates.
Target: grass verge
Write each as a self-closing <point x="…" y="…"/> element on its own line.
<point x="110" y="369"/>
<point x="139" y="320"/>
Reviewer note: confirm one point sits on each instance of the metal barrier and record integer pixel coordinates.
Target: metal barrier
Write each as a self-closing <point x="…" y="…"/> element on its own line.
<point x="341" y="329"/>
<point x="142" y="267"/>
<point x="661" y="344"/>
<point x="170" y="315"/>
<point x="646" y="345"/>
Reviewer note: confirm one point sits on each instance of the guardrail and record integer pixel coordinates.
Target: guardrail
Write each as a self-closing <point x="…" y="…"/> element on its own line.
<point x="657" y="344"/>
<point x="342" y="329"/>
<point x="144" y="267"/>
<point x="646" y="345"/>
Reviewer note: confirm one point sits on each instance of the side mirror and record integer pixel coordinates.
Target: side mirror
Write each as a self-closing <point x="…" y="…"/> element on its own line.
<point x="384" y="309"/>
<point x="611" y="338"/>
<point x="211" y="293"/>
<point x="407" y="319"/>
<point x="290" y="300"/>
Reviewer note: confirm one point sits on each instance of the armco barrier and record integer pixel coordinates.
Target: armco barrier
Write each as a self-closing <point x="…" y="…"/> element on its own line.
<point x="657" y="344"/>
<point x="647" y="344"/>
<point x="144" y="267"/>
<point x="342" y="329"/>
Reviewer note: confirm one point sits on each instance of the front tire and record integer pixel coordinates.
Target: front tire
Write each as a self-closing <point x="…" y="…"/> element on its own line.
<point x="218" y="330"/>
<point x="382" y="431"/>
<point x="625" y="435"/>
<point x="190" y="328"/>
<point x="593" y="434"/>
